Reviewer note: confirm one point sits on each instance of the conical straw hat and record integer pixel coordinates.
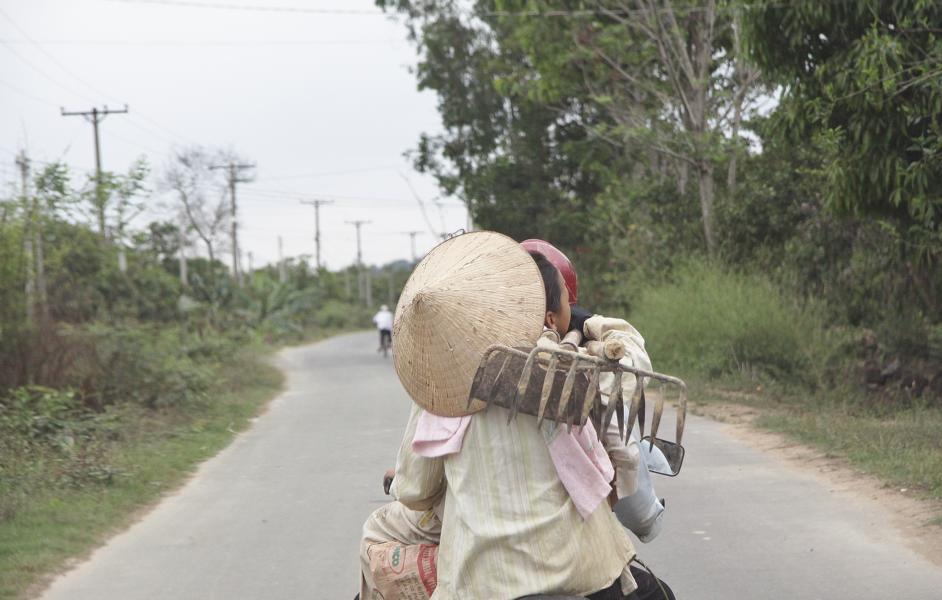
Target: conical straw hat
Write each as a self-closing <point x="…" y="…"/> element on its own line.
<point x="469" y="292"/>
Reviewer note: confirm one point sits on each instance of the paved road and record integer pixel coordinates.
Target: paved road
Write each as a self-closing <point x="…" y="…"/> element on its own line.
<point x="278" y="513"/>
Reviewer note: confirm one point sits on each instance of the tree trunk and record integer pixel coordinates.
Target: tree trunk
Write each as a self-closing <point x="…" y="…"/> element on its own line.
<point x="742" y="79"/>
<point x="731" y="173"/>
<point x="683" y="175"/>
<point x="705" y="173"/>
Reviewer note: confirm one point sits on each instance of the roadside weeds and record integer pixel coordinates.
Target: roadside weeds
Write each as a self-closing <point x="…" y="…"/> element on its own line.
<point x="154" y="454"/>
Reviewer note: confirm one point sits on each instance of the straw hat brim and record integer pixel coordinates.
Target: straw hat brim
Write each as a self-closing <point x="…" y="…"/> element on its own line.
<point x="469" y="292"/>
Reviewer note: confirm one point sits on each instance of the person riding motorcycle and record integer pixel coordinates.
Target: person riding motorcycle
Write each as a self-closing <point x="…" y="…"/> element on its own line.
<point x="503" y="486"/>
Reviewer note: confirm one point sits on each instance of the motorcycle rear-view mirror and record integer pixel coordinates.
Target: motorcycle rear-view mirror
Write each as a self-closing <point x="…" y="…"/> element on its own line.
<point x="662" y="457"/>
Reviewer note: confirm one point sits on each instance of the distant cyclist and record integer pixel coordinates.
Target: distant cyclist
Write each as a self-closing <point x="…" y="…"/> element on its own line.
<point x="384" y="322"/>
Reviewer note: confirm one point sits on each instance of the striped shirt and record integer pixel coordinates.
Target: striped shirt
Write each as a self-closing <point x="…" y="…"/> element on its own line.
<point x="509" y="527"/>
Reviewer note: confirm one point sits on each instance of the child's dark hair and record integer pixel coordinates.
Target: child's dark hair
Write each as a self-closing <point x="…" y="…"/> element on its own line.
<point x="550" y="274"/>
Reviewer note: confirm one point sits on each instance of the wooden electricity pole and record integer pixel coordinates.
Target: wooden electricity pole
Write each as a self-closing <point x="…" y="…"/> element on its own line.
<point x="317" y="228"/>
<point x="282" y="272"/>
<point x="363" y="294"/>
<point x="412" y="235"/>
<point x="232" y="178"/>
<point x="95" y="116"/>
<point x="23" y="163"/>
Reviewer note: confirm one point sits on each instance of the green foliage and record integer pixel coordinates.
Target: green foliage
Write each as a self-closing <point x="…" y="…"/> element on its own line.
<point x="863" y="80"/>
<point x="712" y="321"/>
<point x="149" y="365"/>
<point x="518" y="152"/>
<point x="337" y="315"/>
<point x="37" y="412"/>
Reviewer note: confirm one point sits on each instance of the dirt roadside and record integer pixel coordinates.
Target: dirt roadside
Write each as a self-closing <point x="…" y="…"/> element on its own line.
<point x="907" y="513"/>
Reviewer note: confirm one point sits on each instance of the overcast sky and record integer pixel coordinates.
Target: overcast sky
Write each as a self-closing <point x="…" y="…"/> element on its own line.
<point x="321" y="99"/>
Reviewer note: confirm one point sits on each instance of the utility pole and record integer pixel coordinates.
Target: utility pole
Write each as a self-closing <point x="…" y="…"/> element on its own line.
<point x="181" y="256"/>
<point x="282" y="273"/>
<point x="317" y="227"/>
<point x="360" y="282"/>
<point x="412" y="235"/>
<point x="95" y="116"/>
<point x="359" y="224"/>
<point x="23" y="163"/>
<point x="232" y="177"/>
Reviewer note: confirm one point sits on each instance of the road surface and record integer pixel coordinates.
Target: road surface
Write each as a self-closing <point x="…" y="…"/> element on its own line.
<point x="277" y="514"/>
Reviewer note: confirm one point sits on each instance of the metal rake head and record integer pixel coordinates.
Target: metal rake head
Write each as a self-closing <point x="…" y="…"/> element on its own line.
<point x="563" y="386"/>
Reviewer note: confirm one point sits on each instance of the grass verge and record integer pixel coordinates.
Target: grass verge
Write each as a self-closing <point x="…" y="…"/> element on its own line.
<point x="149" y="453"/>
<point x="738" y="339"/>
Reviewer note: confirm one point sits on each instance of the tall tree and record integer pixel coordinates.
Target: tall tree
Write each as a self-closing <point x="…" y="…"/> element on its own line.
<point x="618" y="88"/>
<point x="524" y="164"/>
<point x="864" y="80"/>
<point x="200" y="199"/>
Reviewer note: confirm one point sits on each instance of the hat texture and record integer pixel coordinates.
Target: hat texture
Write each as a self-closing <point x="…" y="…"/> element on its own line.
<point x="469" y="292"/>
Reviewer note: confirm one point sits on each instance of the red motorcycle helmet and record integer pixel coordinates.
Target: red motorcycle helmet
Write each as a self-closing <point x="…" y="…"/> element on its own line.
<point x="558" y="260"/>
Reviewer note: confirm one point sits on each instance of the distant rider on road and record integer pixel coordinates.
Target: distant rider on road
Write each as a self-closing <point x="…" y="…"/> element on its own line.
<point x="384" y="322"/>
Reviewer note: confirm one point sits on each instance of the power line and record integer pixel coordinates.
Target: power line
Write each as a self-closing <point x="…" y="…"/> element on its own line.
<point x="302" y="195"/>
<point x="72" y="74"/>
<point x="328" y="173"/>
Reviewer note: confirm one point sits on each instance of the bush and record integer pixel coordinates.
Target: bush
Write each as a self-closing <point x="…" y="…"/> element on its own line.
<point x="48" y="440"/>
<point x="37" y="412"/>
<point x="340" y="315"/>
<point x="136" y="363"/>
<point x="713" y="321"/>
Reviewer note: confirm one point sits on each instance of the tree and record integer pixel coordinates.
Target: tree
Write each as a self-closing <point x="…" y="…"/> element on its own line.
<point x="671" y="78"/>
<point x="200" y="200"/>
<point x="864" y="81"/>
<point x="524" y="165"/>
<point x="589" y="94"/>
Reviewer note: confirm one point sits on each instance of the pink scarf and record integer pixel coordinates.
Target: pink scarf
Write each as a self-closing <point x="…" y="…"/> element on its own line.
<point x="581" y="462"/>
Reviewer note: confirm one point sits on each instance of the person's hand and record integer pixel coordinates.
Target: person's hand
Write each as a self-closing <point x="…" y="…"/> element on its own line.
<point x="578" y="318"/>
<point x="388" y="479"/>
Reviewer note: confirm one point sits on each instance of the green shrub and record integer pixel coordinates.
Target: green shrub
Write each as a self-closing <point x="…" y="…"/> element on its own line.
<point x="340" y="315"/>
<point x="712" y="321"/>
<point x="37" y="412"/>
<point x="148" y="365"/>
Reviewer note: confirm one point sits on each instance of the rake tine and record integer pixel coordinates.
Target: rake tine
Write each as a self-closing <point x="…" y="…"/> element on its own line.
<point x="566" y="395"/>
<point x="474" y="384"/>
<point x="641" y="410"/>
<point x="681" y="412"/>
<point x="591" y="394"/>
<point x="620" y="414"/>
<point x="522" y="384"/>
<point x="547" y="387"/>
<point x="633" y="409"/>
<point x="656" y="417"/>
<point x="617" y="398"/>
<point x="500" y="371"/>
<point x="612" y="400"/>
<point x="479" y="375"/>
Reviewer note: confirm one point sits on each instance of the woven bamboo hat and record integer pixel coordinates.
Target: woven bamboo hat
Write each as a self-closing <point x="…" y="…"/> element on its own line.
<point x="469" y="292"/>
